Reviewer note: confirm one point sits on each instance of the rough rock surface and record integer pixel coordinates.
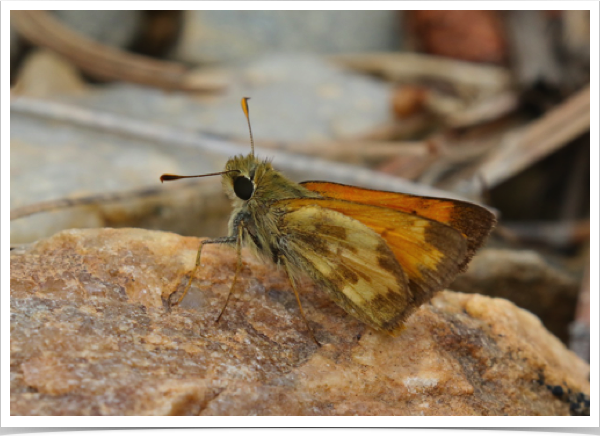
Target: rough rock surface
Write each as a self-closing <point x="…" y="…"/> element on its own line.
<point x="91" y="333"/>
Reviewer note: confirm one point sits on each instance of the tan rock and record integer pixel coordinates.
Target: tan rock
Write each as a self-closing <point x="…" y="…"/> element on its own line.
<point x="45" y="73"/>
<point x="91" y="334"/>
<point x="528" y="280"/>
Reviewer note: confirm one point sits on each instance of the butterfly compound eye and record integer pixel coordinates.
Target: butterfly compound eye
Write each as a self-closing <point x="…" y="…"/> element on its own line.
<point x="243" y="187"/>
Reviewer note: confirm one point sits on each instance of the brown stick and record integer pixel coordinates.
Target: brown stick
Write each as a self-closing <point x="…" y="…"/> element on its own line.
<point x="61" y="203"/>
<point x="414" y="66"/>
<point x="522" y="148"/>
<point x="99" y="60"/>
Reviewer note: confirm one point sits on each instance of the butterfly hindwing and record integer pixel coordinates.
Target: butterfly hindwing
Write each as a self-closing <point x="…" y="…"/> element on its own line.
<point x="378" y="264"/>
<point x="351" y="262"/>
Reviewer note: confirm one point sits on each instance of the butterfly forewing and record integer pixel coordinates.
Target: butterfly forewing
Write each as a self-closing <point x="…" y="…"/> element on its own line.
<point x="472" y="221"/>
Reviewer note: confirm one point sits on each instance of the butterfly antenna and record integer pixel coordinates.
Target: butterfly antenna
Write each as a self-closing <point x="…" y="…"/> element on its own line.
<point x="247" y="113"/>
<point x="169" y="177"/>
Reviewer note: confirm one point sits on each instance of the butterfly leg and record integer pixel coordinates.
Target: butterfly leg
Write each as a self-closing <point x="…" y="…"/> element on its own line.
<point x="283" y="261"/>
<point x="224" y="240"/>
<point x="238" y="247"/>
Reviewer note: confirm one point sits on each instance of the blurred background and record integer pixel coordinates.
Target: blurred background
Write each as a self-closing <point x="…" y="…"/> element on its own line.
<point x="488" y="106"/>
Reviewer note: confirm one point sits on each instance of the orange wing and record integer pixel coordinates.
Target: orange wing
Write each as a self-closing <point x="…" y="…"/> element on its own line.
<point x="472" y="221"/>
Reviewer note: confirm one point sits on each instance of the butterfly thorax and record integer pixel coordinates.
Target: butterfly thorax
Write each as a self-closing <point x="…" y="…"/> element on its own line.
<point x="254" y="188"/>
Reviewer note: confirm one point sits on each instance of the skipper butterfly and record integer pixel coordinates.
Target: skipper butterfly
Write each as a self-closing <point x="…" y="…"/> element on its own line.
<point x="379" y="255"/>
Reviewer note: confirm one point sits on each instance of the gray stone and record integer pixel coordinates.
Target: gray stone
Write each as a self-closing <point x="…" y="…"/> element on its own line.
<point x="114" y="28"/>
<point x="297" y="98"/>
<point x="231" y="36"/>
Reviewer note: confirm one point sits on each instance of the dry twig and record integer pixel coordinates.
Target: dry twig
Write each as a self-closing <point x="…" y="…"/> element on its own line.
<point x="523" y="147"/>
<point x="414" y="66"/>
<point x="104" y="62"/>
<point x="47" y="206"/>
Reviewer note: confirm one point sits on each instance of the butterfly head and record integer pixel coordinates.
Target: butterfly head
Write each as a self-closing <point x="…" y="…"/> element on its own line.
<point x="247" y="178"/>
<point x="240" y="176"/>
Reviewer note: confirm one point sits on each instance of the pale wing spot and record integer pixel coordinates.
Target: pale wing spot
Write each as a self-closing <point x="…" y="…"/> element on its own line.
<point x="364" y="240"/>
<point x="360" y="292"/>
